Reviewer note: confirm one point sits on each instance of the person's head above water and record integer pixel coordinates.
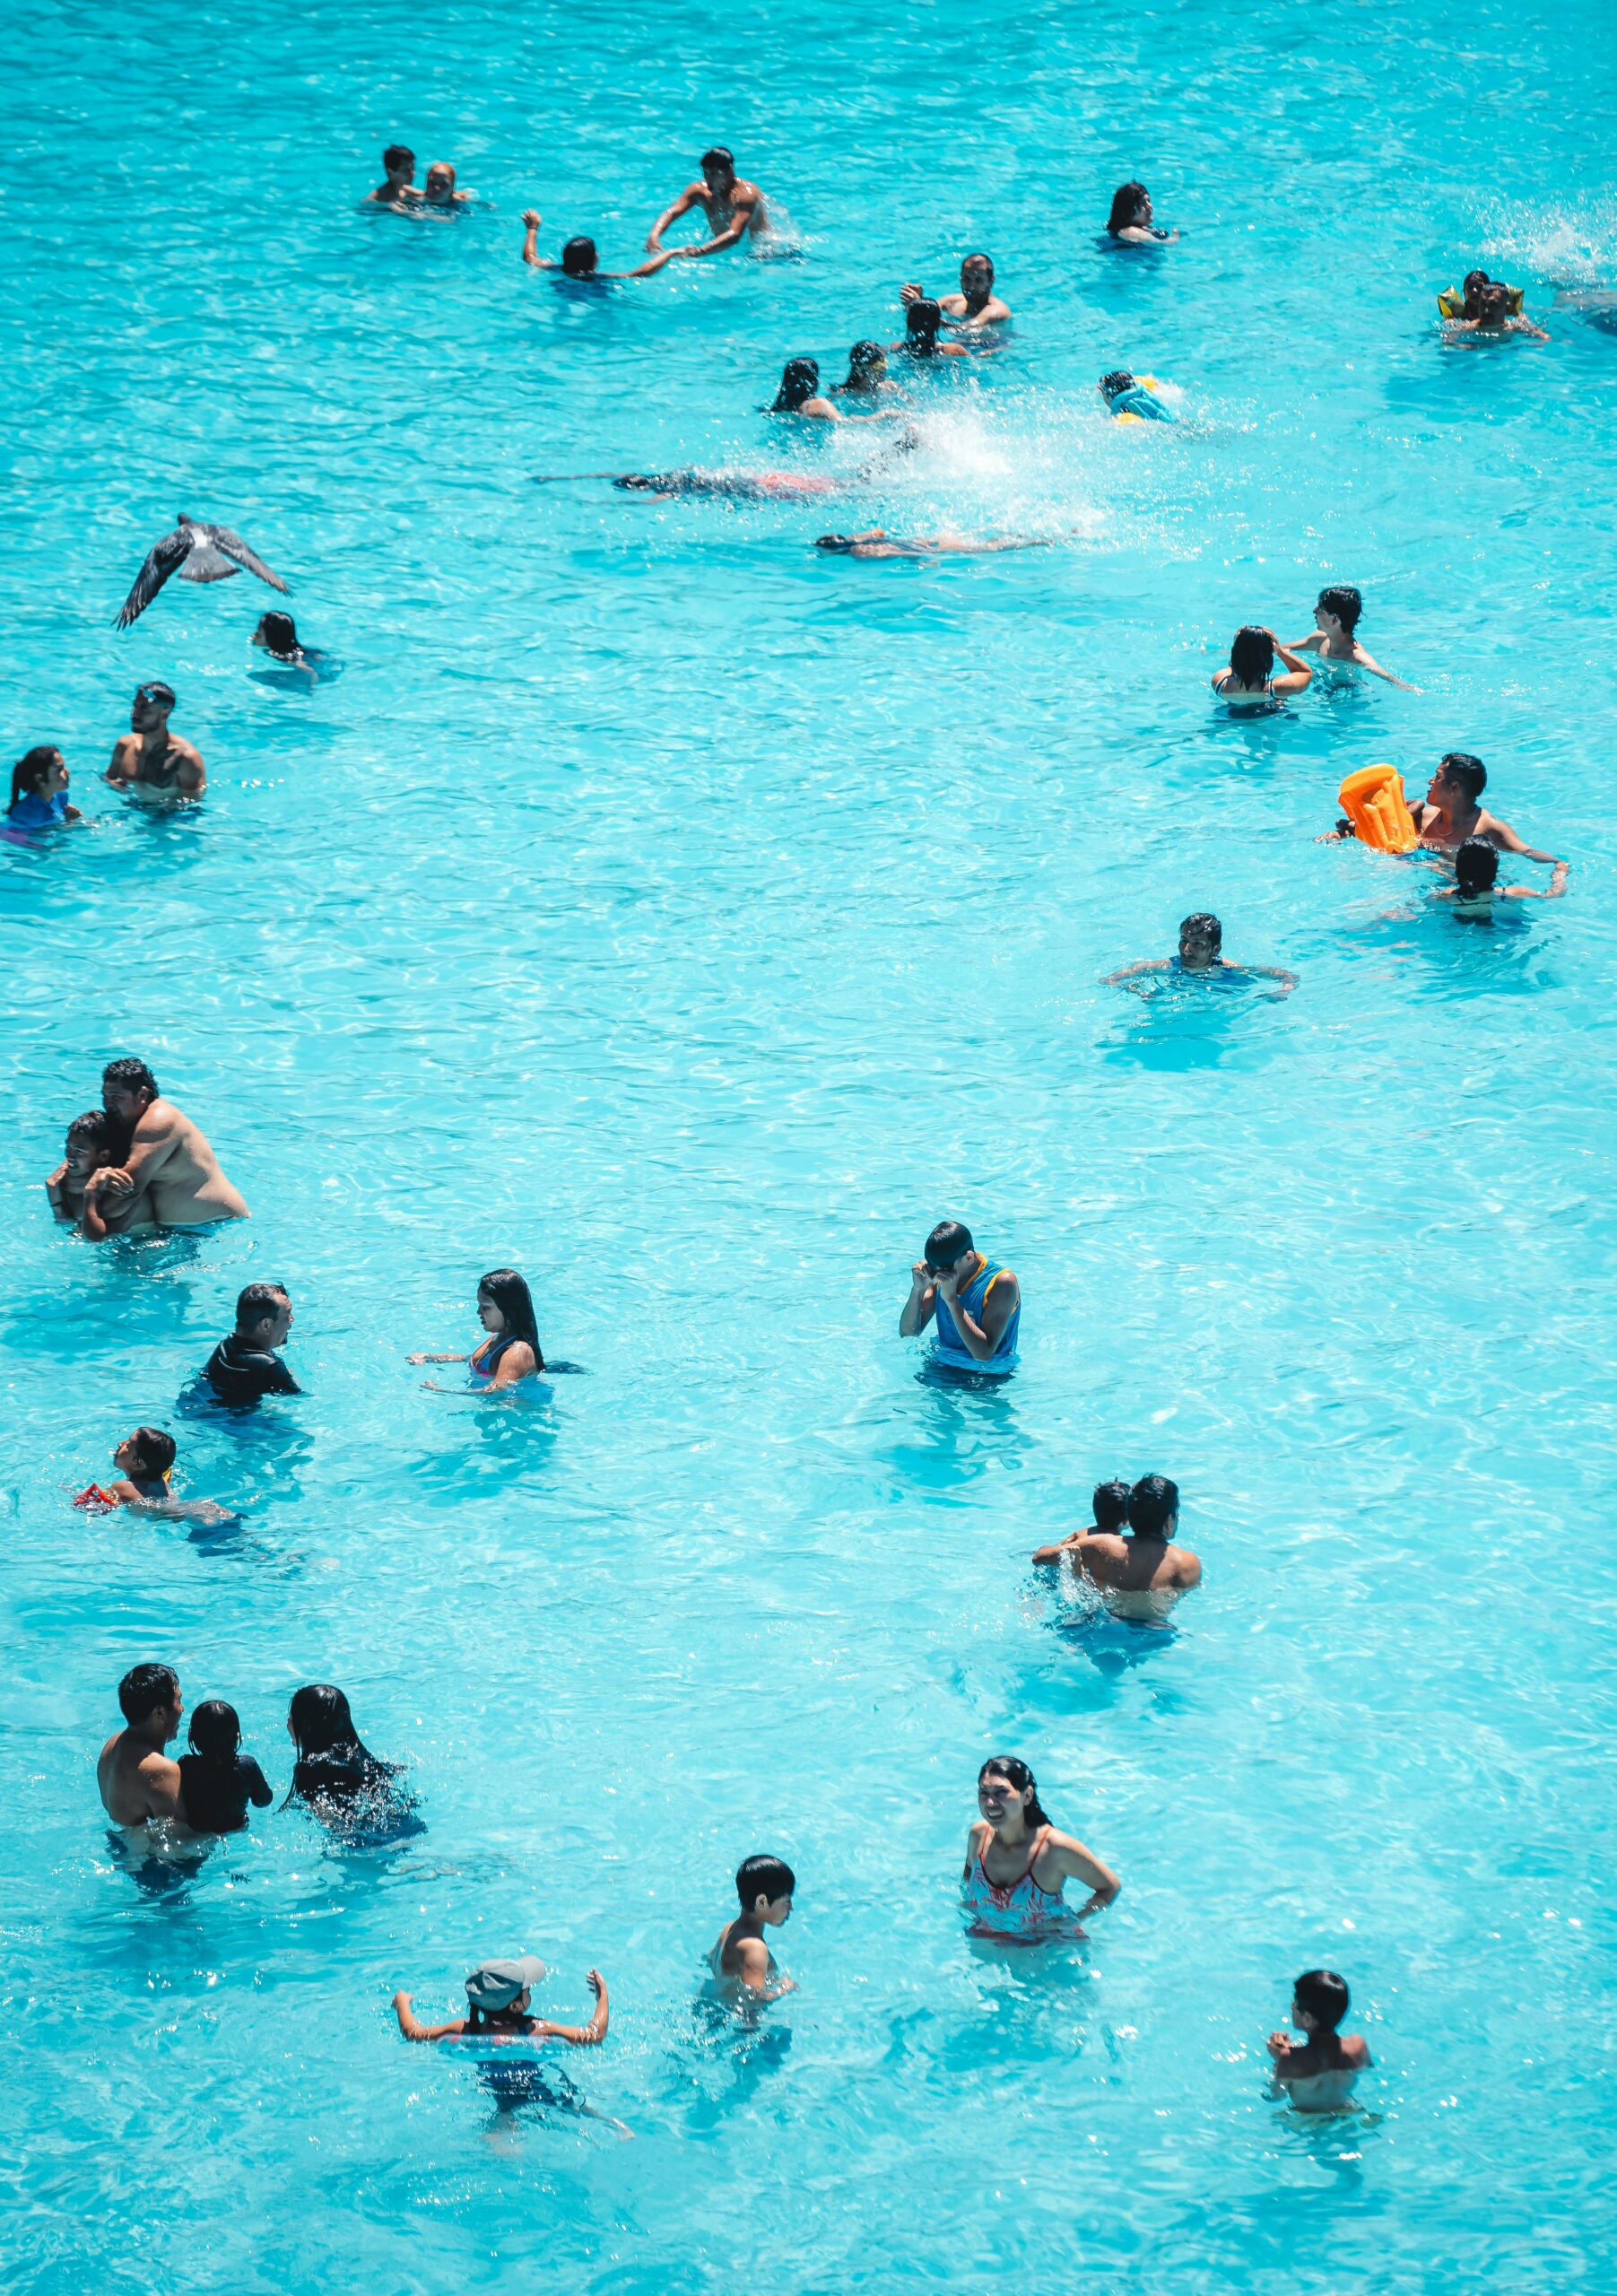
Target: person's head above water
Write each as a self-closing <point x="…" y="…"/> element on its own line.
<point x="501" y="1989"/>
<point x="1201" y="937"/>
<point x="866" y="366"/>
<point x="766" y="1887"/>
<point x="148" y="1689"/>
<point x="39" y="773"/>
<point x="579" y="259"/>
<point x="505" y="1305"/>
<point x="277" y="633"/>
<point x="1112" y="386"/>
<point x="718" y="168"/>
<point x="215" y="1731"/>
<point x="398" y="164"/>
<point x="441" y="181"/>
<point x="799" y="382"/>
<point x="1005" y="1786"/>
<point x="151" y="707"/>
<point x="1493" y="303"/>
<point x="1476" y="867"/>
<point x="320" y="1723"/>
<point x="1337" y="609"/>
<point x="128" y="1089"/>
<point x="976" y="277"/>
<point x="150" y="1452"/>
<point x="1459" y="775"/>
<point x="1320" y="2000"/>
<point x="948" y="1243"/>
<point x="1131" y="204"/>
<point x="922" y="320"/>
<point x="264" y="1314"/>
<point x="1109" y="1505"/>
<point x="1252" y="656"/>
<point x="1153" y="1507"/>
<point x="91" y="1140"/>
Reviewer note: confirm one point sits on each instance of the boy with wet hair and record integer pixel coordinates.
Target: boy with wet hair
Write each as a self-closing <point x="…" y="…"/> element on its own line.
<point x="398" y="184"/>
<point x="741" y="1960"/>
<point x="94" y="1141"/>
<point x="1476" y="887"/>
<point x="1109" y="1505"/>
<point x="1318" y="2077"/>
<point x="1334" y="637"/>
<point x="1125" y="394"/>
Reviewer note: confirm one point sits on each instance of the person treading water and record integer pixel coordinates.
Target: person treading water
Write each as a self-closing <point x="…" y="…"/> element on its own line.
<point x="1201" y="943"/>
<point x="1130" y="222"/>
<point x="922" y="338"/>
<point x="138" y="1781"/>
<point x="734" y="207"/>
<point x="975" y="306"/>
<point x="867" y="375"/>
<point x="149" y="758"/>
<point x="1017" y="1864"/>
<point x="1319" y="2076"/>
<point x="579" y="259"/>
<point x="1450" y="814"/>
<point x="740" y="1959"/>
<point x="800" y="393"/>
<point x="276" y="635"/>
<point x="1140" y="1577"/>
<point x="40" y="785"/>
<point x="510" y="1356"/>
<point x="246" y="1366"/>
<point x="1476" y="887"/>
<point x="1335" y="635"/>
<point x="977" y="1305"/>
<point x="1249" y="681"/>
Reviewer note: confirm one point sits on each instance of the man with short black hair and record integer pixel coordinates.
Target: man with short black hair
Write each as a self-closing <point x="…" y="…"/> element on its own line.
<point x="977" y="1304"/>
<point x="1450" y="813"/>
<point x="149" y="757"/>
<point x="245" y="1366"/>
<point x="138" y="1782"/>
<point x="1201" y="947"/>
<point x="1143" y="1575"/>
<point x="1334" y="637"/>
<point x="734" y="207"/>
<point x="169" y="1176"/>
<point x="740" y="1959"/>
<point x="398" y="188"/>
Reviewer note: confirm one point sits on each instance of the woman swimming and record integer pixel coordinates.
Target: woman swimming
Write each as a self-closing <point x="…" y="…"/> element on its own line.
<point x="579" y="257"/>
<point x="511" y="1353"/>
<point x="277" y="636"/>
<point x="1130" y="223"/>
<point x="335" y="1774"/>
<point x="867" y="376"/>
<point x="39" y="791"/>
<point x="800" y="393"/>
<point x="1249" y="681"/>
<point x="1017" y="1863"/>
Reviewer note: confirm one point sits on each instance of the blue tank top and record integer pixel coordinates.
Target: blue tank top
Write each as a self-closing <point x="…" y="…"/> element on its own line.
<point x="951" y="1349"/>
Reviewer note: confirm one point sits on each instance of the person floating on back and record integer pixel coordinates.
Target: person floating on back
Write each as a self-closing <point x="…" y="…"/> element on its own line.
<point x="977" y="1304"/>
<point x="1476" y="887"/>
<point x="245" y="1366"/>
<point x="741" y="1960"/>
<point x="39" y="781"/>
<point x="735" y="208"/>
<point x="1335" y="635"/>
<point x="1130" y="223"/>
<point x="1201" y="941"/>
<point x="216" y="1779"/>
<point x="1318" y="2077"/>
<point x="1140" y="1577"/>
<point x="579" y="257"/>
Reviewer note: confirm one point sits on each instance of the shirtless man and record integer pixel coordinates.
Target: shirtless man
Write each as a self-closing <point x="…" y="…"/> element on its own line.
<point x="397" y="188"/>
<point x="138" y="1782"/>
<point x="1450" y="813"/>
<point x="976" y="306"/>
<point x="170" y="1177"/>
<point x="1201" y="940"/>
<point x="149" y="757"/>
<point x="741" y="1960"/>
<point x="1143" y="1575"/>
<point x="734" y="207"/>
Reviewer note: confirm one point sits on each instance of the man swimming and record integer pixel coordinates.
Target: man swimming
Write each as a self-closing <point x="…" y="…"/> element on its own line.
<point x="1140" y="1577"/>
<point x="975" y="306"/>
<point x="875" y="541"/>
<point x="1335" y="635"/>
<point x="740" y="1959"/>
<point x="139" y="1785"/>
<point x="579" y="257"/>
<point x="1476" y="887"/>
<point x="977" y="1305"/>
<point x="735" y="208"/>
<point x="149" y="757"/>
<point x="1201" y="941"/>
<point x="168" y="1175"/>
<point x="1450" y="813"/>
<point x="398" y="187"/>
<point x="246" y="1366"/>
<point x="923" y="321"/>
<point x="729" y="485"/>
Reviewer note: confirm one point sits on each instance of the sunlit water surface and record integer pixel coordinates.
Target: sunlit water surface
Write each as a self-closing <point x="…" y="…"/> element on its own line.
<point x="691" y="921"/>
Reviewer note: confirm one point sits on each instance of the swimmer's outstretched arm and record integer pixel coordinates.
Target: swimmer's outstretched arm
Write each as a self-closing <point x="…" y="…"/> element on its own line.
<point x="588" y="2036"/>
<point x="531" y="222"/>
<point x="1501" y="834"/>
<point x="1366" y="661"/>
<point x="413" y="2029"/>
<point x="641" y="271"/>
<point x="682" y="205"/>
<point x="1556" y="887"/>
<point x="1132" y="973"/>
<point x="425" y="1357"/>
<point x="1288" y="980"/>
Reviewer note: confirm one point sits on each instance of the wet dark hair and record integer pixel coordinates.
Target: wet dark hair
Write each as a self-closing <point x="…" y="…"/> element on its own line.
<point x="398" y="155"/>
<point x="1468" y="774"/>
<point x="1153" y="1504"/>
<point x="1022" y="1778"/>
<point x="133" y="1076"/>
<point x="946" y="1242"/>
<point x="1127" y="202"/>
<point x="28" y="774"/>
<point x="510" y="1294"/>
<point x="255" y="1302"/>
<point x="279" y="632"/>
<point x="834" y="542"/>
<point x="1109" y="1503"/>
<point x="156" y="1448"/>
<point x="159" y="689"/>
<point x="764" y="1877"/>
<point x="1202" y="923"/>
<point x="1119" y="379"/>
<point x="1493" y="300"/>
<point x="1476" y="865"/>
<point x="144" y="1688"/>
<point x="1252" y="656"/>
<point x="863" y="362"/>
<point x="96" y="1125"/>
<point x="1326" y="1997"/>
<point x="215" y="1730"/>
<point x="979" y="257"/>
<point x="923" y="317"/>
<point x="718" y="156"/>
<point x="799" y="381"/>
<point x="1344" y="601"/>
<point x="579" y="259"/>
<point x="321" y="1723"/>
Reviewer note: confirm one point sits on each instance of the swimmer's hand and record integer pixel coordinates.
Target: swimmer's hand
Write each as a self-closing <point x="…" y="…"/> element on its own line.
<point x="113" y="1177"/>
<point x="920" y="1276"/>
<point x="911" y="293"/>
<point x="948" y="1284"/>
<point x="531" y="218"/>
<point x="1279" y="2045"/>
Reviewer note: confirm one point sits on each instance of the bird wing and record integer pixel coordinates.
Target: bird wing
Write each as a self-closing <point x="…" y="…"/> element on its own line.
<point x="161" y="560"/>
<point x="234" y="547"/>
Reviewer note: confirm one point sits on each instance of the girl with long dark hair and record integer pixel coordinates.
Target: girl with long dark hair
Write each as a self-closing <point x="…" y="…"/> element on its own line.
<point x="511" y="1353"/>
<point x="1129" y="223"/>
<point x="1249" y="681"/>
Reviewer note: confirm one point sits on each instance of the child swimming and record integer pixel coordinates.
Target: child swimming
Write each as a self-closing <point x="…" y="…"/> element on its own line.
<point x="1125" y="394"/>
<point x="39" y="791"/>
<point x="1318" y="2077"/>
<point x="216" y="1779"/>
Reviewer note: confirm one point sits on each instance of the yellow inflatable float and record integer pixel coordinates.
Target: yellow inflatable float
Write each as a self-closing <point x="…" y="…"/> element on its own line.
<point x="1373" y="801"/>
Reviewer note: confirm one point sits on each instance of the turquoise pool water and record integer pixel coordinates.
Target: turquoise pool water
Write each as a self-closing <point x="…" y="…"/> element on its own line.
<point x="692" y="922"/>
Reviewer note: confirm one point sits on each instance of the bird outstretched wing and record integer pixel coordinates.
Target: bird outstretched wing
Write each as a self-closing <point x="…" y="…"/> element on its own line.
<point x="234" y="547"/>
<point x="161" y="560"/>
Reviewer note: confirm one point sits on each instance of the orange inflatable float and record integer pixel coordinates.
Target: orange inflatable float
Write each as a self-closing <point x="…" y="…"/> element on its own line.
<point x="1373" y="801"/>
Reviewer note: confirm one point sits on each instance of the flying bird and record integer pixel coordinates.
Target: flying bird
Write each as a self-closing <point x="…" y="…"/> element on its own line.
<point x="197" y="552"/>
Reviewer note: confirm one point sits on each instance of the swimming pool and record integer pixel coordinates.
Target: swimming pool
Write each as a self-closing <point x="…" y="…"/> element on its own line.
<point x="692" y="922"/>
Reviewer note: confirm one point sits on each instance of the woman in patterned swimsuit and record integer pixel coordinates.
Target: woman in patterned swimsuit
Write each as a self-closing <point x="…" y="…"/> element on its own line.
<point x="1017" y="1863"/>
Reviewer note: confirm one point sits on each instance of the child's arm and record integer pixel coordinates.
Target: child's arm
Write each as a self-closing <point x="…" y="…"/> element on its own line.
<point x="588" y="2036"/>
<point x="258" y="1786"/>
<point x="413" y="2029"/>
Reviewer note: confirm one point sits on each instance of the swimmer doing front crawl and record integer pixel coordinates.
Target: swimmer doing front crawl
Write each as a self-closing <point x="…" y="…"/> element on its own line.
<point x="875" y="541"/>
<point x="741" y="485"/>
